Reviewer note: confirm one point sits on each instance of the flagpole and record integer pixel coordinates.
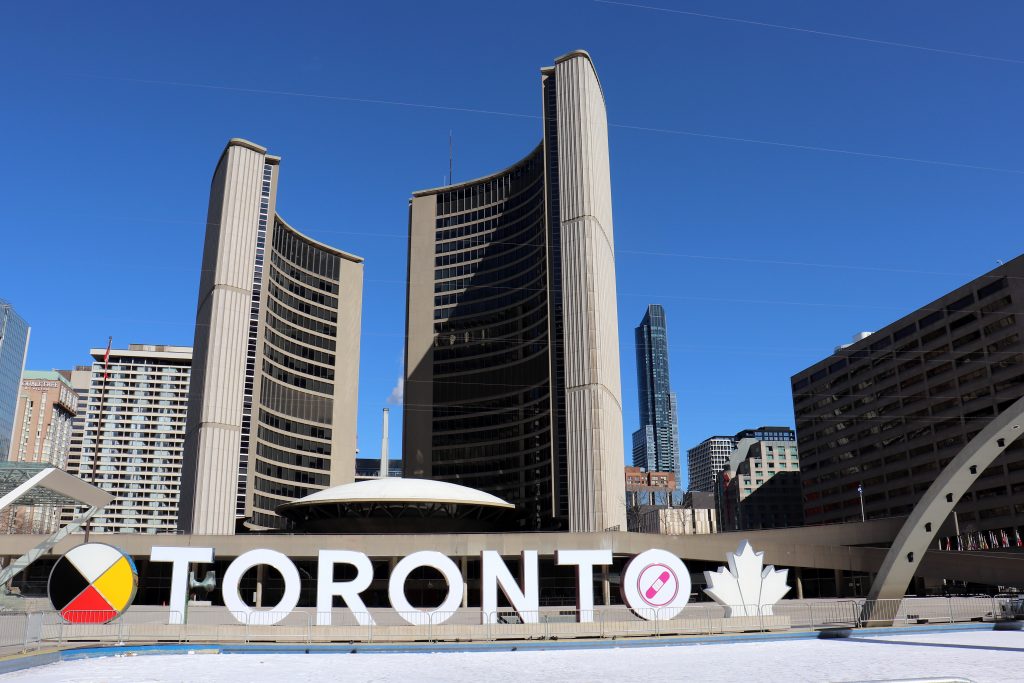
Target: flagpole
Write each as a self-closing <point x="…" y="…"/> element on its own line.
<point x="99" y="429"/>
<point x="860" y="491"/>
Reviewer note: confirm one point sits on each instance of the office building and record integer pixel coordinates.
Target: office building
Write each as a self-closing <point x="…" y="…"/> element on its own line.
<point x="136" y="413"/>
<point x="512" y="364"/>
<point x="676" y="521"/>
<point x="705" y="460"/>
<point x="889" y="411"/>
<point x="650" y="488"/>
<point x="81" y="381"/>
<point x="14" y="333"/>
<point x="272" y="408"/>
<point x="42" y="434"/>
<point x="760" y="486"/>
<point x="656" y="443"/>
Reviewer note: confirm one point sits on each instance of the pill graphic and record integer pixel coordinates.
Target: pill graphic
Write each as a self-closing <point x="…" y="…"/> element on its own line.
<point x="657" y="585"/>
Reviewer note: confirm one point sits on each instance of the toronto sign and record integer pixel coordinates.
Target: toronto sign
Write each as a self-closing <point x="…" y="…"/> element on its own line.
<point x="655" y="583"/>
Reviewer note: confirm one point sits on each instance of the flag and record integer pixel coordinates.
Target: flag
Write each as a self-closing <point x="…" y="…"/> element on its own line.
<point x="1006" y="539"/>
<point x="959" y="543"/>
<point x="1020" y="541"/>
<point x="106" y="358"/>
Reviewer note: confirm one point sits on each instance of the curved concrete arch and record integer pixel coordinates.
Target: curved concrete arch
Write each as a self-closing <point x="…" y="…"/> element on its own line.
<point x="922" y="526"/>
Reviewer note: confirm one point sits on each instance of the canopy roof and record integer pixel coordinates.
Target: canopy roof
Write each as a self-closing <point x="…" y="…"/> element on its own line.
<point x="399" y="489"/>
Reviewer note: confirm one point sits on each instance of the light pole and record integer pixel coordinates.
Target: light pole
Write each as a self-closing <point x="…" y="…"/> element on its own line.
<point x="860" y="492"/>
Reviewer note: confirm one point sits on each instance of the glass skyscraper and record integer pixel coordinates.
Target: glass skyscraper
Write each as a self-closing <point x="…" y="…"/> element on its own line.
<point x="656" y="443"/>
<point x="13" y="345"/>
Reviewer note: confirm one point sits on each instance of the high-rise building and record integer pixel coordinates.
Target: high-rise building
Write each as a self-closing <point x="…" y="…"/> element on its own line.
<point x="42" y="434"/>
<point x="136" y="412"/>
<point x="705" y="460"/>
<point x="656" y="443"/>
<point x="512" y="365"/>
<point x="14" y="333"/>
<point x="81" y="381"/>
<point x="888" y="412"/>
<point x="272" y="408"/>
<point x="760" y="486"/>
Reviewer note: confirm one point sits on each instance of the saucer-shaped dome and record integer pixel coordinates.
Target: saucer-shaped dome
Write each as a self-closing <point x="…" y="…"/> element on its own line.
<point x="398" y="505"/>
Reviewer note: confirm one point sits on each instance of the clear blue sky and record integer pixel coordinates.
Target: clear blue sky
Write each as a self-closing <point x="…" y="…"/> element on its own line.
<point x="764" y="256"/>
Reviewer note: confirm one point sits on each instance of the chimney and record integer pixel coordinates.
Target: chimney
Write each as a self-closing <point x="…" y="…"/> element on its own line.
<point x="384" y="458"/>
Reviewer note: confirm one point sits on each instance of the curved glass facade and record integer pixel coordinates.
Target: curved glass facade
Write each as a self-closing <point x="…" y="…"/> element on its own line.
<point x="295" y="404"/>
<point x="512" y="364"/>
<point x="489" y="412"/>
<point x="14" y="333"/>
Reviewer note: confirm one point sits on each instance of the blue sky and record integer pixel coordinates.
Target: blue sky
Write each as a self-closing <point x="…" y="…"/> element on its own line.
<point x="765" y="256"/>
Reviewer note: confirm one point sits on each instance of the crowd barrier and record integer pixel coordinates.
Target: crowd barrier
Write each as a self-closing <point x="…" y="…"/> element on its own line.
<point x="144" y="624"/>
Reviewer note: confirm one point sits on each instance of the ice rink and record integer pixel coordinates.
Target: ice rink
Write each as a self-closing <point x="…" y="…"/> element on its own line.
<point x="976" y="655"/>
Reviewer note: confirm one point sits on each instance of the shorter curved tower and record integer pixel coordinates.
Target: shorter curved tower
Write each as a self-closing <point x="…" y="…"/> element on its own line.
<point x="272" y="403"/>
<point x="512" y="362"/>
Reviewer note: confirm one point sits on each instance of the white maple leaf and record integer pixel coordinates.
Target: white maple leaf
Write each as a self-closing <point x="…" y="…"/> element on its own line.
<point x="746" y="590"/>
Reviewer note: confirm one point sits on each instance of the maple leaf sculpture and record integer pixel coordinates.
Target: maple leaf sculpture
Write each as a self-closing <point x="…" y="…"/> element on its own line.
<point x="746" y="590"/>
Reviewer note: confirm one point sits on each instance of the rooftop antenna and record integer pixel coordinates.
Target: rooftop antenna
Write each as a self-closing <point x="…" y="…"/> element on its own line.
<point x="450" y="158"/>
<point x="384" y="457"/>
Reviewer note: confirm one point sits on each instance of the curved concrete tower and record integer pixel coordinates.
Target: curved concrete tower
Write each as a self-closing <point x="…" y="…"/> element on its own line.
<point x="512" y="351"/>
<point x="272" y="401"/>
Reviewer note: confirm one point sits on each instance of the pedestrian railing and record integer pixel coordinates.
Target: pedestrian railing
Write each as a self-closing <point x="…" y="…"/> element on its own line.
<point x="142" y="624"/>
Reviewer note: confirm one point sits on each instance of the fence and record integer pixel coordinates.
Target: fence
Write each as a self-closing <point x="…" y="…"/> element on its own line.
<point x="142" y="624"/>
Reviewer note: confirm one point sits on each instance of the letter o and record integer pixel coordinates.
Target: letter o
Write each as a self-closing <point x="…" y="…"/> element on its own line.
<point x="425" y="558"/>
<point x="246" y="561"/>
<point x="656" y="585"/>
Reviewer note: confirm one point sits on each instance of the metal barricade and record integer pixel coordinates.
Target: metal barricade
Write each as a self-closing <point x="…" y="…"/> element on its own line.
<point x="561" y="623"/>
<point x="13" y="629"/>
<point x="340" y="626"/>
<point x="278" y="627"/>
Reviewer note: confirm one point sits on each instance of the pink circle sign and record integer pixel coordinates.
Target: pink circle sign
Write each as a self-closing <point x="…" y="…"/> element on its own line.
<point x="657" y="585"/>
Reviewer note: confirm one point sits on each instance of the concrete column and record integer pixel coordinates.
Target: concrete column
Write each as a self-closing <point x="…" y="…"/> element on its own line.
<point x="798" y="578"/>
<point x="464" y="565"/>
<point x="606" y="587"/>
<point x="259" y="584"/>
<point x="840" y="588"/>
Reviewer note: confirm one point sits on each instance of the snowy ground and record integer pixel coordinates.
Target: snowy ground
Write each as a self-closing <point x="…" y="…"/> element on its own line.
<point x="975" y="655"/>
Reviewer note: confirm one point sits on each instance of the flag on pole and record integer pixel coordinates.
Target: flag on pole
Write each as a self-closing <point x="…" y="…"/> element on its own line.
<point x="106" y="358"/>
<point x="1020" y="541"/>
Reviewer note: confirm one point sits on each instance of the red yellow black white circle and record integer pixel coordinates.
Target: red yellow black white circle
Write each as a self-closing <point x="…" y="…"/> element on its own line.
<point x="93" y="583"/>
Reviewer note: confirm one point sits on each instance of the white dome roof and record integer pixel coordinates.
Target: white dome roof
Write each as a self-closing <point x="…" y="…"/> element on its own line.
<point x="400" y="489"/>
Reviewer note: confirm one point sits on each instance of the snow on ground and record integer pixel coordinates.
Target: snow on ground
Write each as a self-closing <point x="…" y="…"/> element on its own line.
<point x="976" y="655"/>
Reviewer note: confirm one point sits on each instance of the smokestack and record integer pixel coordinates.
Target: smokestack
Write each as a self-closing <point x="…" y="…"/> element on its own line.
<point x="384" y="458"/>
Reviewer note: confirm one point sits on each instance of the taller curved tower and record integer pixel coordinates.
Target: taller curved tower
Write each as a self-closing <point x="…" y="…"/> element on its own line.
<point x="512" y="349"/>
<point x="272" y="400"/>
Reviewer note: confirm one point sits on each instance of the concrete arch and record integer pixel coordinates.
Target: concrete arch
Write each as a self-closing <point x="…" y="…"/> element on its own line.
<point x="921" y="527"/>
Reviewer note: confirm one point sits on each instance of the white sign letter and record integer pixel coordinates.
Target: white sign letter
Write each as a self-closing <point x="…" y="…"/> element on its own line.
<point x="586" y="560"/>
<point x="494" y="572"/>
<point x="656" y="585"/>
<point x="443" y="564"/>
<point x="243" y="563"/>
<point x="179" y="559"/>
<point x="327" y="587"/>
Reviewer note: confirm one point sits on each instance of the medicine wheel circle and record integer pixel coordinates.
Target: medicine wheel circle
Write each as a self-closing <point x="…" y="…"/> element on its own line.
<point x="92" y="584"/>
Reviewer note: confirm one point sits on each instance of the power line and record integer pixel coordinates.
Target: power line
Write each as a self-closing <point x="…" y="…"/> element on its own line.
<point x="492" y="112"/>
<point x="844" y="36"/>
